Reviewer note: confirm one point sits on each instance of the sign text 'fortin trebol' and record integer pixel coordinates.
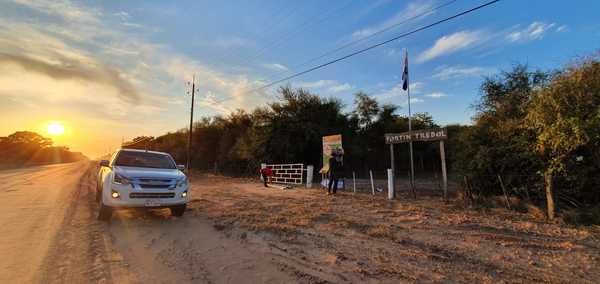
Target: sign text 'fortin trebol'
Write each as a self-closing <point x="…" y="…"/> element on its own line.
<point x="417" y="135"/>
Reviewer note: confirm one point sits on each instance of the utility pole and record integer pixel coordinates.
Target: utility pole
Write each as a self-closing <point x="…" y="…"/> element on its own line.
<point x="189" y="148"/>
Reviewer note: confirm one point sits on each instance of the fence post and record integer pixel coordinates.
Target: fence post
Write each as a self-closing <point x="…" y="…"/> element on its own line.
<point x="504" y="192"/>
<point x="354" y="181"/>
<point x="262" y="166"/>
<point x="390" y="174"/>
<point x="393" y="167"/>
<point x="444" y="176"/>
<point x="549" y="197"/>
<point x="309" y="176"/>
<point x="372" y="185"/>
<point x="468" y="193"/>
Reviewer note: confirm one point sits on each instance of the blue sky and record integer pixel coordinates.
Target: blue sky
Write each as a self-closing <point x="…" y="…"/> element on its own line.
<point x="117" y="69"/>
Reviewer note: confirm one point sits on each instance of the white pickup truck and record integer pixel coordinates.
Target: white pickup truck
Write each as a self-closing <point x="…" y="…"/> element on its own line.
<point x="139" y="178"/>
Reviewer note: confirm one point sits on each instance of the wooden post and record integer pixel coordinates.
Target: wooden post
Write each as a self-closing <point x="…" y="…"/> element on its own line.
<point x="444" y="176"/>
<point x="549" y="198"/>
<point x="390" y="173"/>
<point x="504" y="192"/>
<point x="467" y="189"/>
<point x="392" y="194"/>
<point x="372" y="185"/>
<point x="354" y="181"/>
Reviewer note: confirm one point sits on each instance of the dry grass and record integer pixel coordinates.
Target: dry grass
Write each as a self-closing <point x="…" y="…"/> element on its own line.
<point x="371" y="239"/>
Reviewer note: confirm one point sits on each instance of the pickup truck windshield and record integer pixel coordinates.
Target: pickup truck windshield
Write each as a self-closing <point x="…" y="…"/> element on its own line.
<point x="144" y="160"/>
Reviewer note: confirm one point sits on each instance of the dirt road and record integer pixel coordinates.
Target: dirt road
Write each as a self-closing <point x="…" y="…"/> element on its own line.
<point x="50" y="235"/>
<point x="33" y="203"/>
<point x="235" y="231"/>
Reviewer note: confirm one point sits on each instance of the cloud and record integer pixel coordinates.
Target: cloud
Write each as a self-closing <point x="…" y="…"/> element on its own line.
<point x="124" y="16"/>
<point x="67" y="69"/>
<point x="411" y="10"/>
<point x="326" y="86"/>
<point x="452" y="43"/>
<point x="561" y="28"/>
<point x="316" y="84"/>
<point x="275" y="67"/>
<point x="132" y="25"/>
<point x="340" y="88"/>
<point x="416" y="87"/>
<point x="534" y="31"/>
<point x="414" y="101"/>
<point x="64" y="9"/>
<point x="233" y="42"/>
<point x="436" y="95"/>
<point x="112" y="63"/>
<point x="396" y="91"/>
<point x="452" y="72"/>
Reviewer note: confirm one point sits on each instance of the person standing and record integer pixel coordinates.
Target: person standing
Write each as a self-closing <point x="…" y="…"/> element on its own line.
<point x="335" y="171"/>
<point x="266" y="173"/>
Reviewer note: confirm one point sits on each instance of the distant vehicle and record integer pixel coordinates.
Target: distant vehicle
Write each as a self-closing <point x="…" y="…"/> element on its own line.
<point x="141" y="179"/>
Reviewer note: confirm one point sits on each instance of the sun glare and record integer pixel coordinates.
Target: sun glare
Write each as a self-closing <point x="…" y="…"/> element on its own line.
<point x="56" y="128"/>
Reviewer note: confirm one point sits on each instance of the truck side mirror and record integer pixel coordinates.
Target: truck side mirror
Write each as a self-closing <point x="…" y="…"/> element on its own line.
<point x="104" y="163"/>
<point x="181" y="167"/>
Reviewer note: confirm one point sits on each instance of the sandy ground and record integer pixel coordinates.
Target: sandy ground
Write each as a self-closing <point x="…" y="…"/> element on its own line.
<point x="359" y="238"/>
<point x="236" y="231"/>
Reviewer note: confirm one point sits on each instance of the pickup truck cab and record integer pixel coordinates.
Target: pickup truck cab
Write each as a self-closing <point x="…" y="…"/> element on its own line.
<point x="141" y="179"/>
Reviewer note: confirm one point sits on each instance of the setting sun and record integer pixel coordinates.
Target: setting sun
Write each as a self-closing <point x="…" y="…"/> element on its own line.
<point x="56" y="128"/>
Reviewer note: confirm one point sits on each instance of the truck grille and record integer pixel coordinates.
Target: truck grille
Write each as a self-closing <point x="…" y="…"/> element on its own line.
<point x="156" y="183"/>
<point x="152" y="195"/>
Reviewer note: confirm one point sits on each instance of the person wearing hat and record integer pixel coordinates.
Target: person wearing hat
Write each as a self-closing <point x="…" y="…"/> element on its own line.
<point x="335" y="170"/>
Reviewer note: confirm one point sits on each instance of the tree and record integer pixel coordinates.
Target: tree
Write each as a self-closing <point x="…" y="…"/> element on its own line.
<point x="499" y="141"/>
<point x="29" y="148"/>
<point x="366" y="108"/>
<point x="28" y="137"/>
<point x="565" y="116"/>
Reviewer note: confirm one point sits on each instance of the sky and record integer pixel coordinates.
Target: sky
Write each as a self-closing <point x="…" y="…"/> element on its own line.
<point x="114" y="70"/>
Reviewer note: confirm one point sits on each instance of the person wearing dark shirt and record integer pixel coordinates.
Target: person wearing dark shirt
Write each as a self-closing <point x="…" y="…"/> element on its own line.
<point x="335" y="171"/>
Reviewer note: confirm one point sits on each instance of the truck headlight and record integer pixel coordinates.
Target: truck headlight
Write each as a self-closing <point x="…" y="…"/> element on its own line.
<point x="119" y="179"/>
<point x="184" y="194"/>
<point x="182" y="182"/>
<point x="115" y="194"/>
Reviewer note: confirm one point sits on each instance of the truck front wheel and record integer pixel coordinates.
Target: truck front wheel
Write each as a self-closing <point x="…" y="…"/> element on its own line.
<point x="105" y="213"/>
<point x="178" y="210"/>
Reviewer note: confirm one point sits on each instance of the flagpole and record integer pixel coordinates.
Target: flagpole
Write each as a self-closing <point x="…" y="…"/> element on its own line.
<point x="410" y="144"/>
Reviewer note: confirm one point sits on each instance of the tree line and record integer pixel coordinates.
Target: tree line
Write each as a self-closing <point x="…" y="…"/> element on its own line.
<point x="290" y="130"/>
<point x="538" y="130"/>
<point x="24" y="148"/>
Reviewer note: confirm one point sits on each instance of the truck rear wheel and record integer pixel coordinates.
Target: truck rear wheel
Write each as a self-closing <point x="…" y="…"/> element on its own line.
<point x="105" y="213"/>
<point x="178" y="210"/>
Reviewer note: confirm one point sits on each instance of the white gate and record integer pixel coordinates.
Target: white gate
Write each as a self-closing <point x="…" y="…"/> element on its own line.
<point x="286" y="173"/>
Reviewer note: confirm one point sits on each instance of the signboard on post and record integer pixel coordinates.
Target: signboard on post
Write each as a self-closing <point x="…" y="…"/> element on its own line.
<point x="438" y="134"/>
<point x="330" y="142"/>
<point x="417" y="135"/>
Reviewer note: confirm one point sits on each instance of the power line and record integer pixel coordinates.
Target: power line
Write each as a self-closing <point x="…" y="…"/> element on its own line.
<point x="321" y="18"/>
<point x="276" y="21"/>
<point x="375" y="34"/>
<point x="370" y="47"/>
<point x="376" y="45"/>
